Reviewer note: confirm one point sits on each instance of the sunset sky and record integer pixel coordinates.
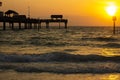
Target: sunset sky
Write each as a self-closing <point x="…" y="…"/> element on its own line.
<point x="79" y="12"/>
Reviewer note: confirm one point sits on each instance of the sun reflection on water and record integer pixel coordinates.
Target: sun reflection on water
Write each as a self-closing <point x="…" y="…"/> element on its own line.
<point x="111" y="77"/>
<point x="110" y="52"/>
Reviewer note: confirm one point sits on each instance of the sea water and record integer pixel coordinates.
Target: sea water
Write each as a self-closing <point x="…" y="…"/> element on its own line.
<point x="55" y="51"/>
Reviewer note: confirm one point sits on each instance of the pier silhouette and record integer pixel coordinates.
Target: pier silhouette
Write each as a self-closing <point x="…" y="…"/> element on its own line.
<point x="11" y="17"/>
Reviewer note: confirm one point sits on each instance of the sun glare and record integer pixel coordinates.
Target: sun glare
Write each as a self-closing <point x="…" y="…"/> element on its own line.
<point x="111" y="9"/>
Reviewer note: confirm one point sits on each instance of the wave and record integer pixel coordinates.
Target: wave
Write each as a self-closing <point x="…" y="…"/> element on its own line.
<point x="105" y="39"/>
<point x="111" y="45"/>
<point x="59" y="62"/>
<point x="56" y="57"/>
<point x="63" y="68"/>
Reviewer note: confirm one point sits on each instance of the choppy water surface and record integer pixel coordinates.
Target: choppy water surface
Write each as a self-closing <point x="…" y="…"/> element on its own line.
<point x="76" y="40"/>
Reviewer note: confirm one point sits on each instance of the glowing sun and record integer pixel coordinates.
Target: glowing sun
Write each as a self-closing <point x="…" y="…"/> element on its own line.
<point x="111" y="9"/>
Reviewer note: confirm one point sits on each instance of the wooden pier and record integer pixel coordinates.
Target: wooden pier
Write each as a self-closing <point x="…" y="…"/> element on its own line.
<point x="29" y="23"/>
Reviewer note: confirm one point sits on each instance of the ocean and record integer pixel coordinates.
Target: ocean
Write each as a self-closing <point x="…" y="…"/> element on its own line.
<point x="80" y="52"/>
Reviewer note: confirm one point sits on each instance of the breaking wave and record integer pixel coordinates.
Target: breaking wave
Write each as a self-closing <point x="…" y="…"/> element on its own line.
<point x="59" y="62"/>
<point x="55" y="57"/>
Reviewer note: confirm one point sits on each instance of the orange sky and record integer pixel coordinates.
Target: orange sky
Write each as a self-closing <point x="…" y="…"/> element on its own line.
<point x="79" y="12"/>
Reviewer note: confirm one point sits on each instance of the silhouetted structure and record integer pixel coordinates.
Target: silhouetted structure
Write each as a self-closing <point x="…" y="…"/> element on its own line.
<point x="28" y="22"/>
<point x="9" y="12"/>
<point x="56" y="16"/>
<point x="1" y="14"/>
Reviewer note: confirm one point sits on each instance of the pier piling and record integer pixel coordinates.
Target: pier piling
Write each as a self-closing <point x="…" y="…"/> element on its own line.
<point x="29" y="23"/>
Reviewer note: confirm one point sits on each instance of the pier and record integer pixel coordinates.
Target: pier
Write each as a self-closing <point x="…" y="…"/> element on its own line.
<point x="29" y="23"/>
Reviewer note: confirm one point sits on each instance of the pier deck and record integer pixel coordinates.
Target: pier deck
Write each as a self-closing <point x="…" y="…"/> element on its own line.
<point x="29" y="21"/>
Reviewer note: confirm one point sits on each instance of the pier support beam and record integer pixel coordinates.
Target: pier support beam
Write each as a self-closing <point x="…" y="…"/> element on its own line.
<point x="39" y="26"/>
<point x="25" y="25"/>
<point x="30" y="25"/>
<point x="35" y="25"/>
<point x="59" y="25"/>
<point x="12" y="25"/>
<point x="4" y="25"/>
<point x="47" y="25"/>
<point x="65" y="25"/>
<point x="19" y="25"/>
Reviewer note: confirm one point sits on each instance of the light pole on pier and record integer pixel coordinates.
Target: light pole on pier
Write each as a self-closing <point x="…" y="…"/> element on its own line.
<point x="111" y="10"/>
<point x="114" y="19"/>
